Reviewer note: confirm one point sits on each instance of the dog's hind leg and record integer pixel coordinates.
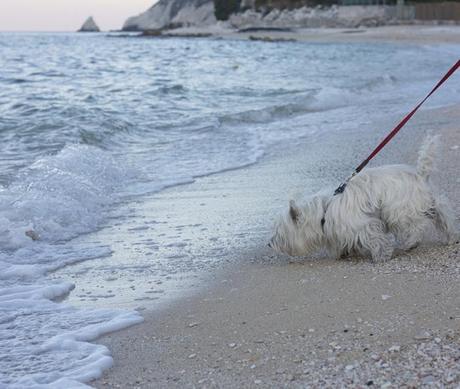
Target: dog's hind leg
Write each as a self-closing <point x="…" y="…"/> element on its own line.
<point x="409" y="233"/>
<point x="374" y="239"/>
<point x="409" y="240"/>
<point x="337" y="253"/>
<point x="443" y="221"/>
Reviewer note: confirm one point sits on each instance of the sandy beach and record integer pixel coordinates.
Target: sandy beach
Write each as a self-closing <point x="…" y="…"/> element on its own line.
<point x="310" y="322"/>
<point x="403" y="34"/>
<point x="412" y="34"/>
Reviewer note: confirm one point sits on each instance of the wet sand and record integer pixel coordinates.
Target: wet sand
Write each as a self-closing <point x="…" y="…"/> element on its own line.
<point x="269" y="321"/>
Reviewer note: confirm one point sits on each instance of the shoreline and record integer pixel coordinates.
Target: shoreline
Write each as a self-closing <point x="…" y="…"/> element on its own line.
<point x="416" y="34"/>
<point x="280" y="322"/>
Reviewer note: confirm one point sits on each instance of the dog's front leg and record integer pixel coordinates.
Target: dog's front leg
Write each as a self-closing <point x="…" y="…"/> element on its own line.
<point x="335" y="253"/>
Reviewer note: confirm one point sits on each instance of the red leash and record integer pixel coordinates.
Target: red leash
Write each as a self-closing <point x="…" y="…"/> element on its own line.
<point x="382" y="144"/>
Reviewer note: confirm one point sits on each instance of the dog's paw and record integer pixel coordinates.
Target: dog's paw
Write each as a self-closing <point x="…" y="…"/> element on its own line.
<point x="453" y="238"/>
<point x="380" y="259"/>
<point x="382" y="255"/>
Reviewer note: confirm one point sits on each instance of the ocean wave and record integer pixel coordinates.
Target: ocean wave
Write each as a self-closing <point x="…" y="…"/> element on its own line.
<point x="17" y="81"/>
<point x="59" y="197"/>
<point x="381" y="81"/>
<point x="323" y="99"/>
<point x="172" y="89"/>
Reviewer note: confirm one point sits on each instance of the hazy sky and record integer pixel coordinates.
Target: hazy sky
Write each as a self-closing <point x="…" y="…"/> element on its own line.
<point x="67" y="15"/>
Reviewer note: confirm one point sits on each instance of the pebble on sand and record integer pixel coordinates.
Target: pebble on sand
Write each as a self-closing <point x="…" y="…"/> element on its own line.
<point x="424" y="335"/>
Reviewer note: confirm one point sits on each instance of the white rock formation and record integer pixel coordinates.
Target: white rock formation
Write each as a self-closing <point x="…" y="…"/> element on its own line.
<point x="335" y="16"/>
<point x="200" y="13"/>
<point x="176" y="13"/>
<point x="89" y="26"/>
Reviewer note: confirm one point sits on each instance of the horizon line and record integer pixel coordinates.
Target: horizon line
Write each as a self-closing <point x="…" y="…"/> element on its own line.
<point x="61" y="31"/>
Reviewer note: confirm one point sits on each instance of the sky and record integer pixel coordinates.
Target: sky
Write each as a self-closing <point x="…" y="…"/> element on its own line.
<point x="67" y="15"/>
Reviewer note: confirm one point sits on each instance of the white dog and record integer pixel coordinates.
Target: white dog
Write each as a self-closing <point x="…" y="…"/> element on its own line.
<point x="380" y="209"/>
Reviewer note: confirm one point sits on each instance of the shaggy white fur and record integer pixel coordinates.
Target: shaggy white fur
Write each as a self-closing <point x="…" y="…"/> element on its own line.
<point x="381" y="208"/>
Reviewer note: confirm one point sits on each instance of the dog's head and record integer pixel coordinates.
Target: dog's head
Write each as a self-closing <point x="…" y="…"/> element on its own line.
<point x="300" y="230"/>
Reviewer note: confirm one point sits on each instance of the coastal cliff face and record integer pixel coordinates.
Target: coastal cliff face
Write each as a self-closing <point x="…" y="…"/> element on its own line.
<point x="167" y="13"/>
<point x="200" y="13"/>
<point x="307" y="17"/>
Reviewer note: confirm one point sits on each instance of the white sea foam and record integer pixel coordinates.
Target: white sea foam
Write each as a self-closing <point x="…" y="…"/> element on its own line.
<point x="59" y="196"/>
<point x="44" y="343"/>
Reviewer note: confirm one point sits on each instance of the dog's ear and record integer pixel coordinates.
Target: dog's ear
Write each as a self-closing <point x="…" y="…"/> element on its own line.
<point x="294" y="211"/>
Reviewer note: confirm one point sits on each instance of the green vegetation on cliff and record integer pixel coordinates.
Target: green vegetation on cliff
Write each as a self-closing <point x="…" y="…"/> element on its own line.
<point x="224" y="8"/>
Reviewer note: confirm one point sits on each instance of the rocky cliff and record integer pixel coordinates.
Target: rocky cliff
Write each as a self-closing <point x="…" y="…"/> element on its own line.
<point x="173" y="13"/>
<point x="200" y="13"/>
<point x="307" y="17"/>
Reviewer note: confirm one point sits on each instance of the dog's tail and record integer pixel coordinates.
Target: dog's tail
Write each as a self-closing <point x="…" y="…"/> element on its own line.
<point x="427" y="155"/>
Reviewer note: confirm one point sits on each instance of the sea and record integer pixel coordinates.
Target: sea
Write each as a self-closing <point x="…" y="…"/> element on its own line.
<point x="93" y="125"/>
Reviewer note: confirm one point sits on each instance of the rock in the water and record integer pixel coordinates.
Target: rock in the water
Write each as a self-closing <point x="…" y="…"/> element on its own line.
<point x="89" y="26"/>
<point x="173" y="13"/>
